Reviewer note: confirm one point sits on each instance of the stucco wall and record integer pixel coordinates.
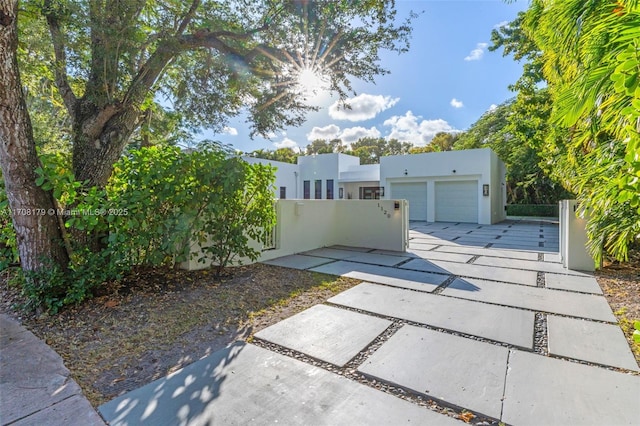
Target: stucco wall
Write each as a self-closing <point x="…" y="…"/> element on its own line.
<point x="323" y="167"/>
<point x="477" y="164"/>
<point x="309" y="224"/>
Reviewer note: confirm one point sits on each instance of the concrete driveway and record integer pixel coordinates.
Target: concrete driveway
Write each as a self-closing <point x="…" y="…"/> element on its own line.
<point x="479" y="318"/>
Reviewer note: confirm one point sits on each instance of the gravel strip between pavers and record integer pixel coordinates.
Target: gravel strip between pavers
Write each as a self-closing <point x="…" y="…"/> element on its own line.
<point x="540" y="335"/>
<point x="350" y="371"/>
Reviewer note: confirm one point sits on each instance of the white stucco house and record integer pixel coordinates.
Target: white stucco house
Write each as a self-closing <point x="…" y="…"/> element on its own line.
<point x="452" y="186"/>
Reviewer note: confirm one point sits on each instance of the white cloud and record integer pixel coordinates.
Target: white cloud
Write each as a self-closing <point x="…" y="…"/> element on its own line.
<point x="477" y="53"/>
<point x="287" y="143"/>
<point x="492" y="107"/>
<point x="352" y="134"/>
<point x="456" y="103"/>
<point x="230" y="131"/>
<point x="363" y="107"/>
<point x="411" y="128"/>
<point x="327" y="132"/>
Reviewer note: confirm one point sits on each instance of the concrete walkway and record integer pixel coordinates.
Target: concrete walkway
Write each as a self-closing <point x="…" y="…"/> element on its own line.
<point x="35" y="387"/>
<point x="477" y="318"/>
<point x="480" y="318"/>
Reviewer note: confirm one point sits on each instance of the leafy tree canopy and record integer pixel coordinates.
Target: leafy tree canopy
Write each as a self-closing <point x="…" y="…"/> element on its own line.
<point x="286" y="155"/>
<point x="107" y="64"/>
<point x="587" y="55"/>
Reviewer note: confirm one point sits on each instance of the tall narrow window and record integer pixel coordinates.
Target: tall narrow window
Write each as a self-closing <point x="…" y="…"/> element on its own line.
<point x="318" y="189"/>
<point x="307" y="189"/>
<point x="283" y="192"/>
<point x="329" y="189"/>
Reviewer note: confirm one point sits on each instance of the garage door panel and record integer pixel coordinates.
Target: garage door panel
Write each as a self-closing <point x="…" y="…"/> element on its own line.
<point x="456" y="201"/>
<point x="416" y="195"/>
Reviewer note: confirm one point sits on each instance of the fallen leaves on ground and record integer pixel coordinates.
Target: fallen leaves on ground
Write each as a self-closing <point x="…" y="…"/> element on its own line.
<point x="621" y="286"/>
<point x="156" y="321"/>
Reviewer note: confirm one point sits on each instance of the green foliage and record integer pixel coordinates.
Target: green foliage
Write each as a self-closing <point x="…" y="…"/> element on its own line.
<point x="164" y="201"/>
<point x="8" y="244"/>
<point x="161" y="204"/>
<point x="369" y="150"/>
<point x="535" y="210"/>
<point x="321" y="146"/>
<point x="588" y="54"/>
<point x="636" y="332"/>
<point x="442" y="141"/>
<point x="285" y="155"/>
<point x="513" y="130"/>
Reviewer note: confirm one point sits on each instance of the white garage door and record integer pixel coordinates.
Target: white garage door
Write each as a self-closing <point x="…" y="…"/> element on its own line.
<point x="457" y="201"/>
<point x="416" y="194"/>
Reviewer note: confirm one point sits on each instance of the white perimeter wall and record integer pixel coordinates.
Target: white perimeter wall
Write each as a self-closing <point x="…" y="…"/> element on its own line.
<point x="309" y="224"/>
<point x="482" y="165"/>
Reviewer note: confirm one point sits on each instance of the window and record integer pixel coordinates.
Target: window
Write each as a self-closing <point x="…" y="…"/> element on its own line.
<point x="341" y="193"/>
<point x="318" y="189"/>
<point x="307" y="189"/>
<point x="371" y="192"/>
<point x="329" y="189"/>
<point x="283" y="192"/>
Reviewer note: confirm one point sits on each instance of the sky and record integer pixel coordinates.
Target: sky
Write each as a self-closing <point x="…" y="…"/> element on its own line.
<point x="446" y="81"/>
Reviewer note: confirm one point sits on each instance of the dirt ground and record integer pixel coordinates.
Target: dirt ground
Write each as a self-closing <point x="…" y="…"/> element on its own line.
<point x="158" y="320"/>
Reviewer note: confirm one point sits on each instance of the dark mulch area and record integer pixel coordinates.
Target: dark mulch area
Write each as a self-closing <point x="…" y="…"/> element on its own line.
<point x="156" y="321"/>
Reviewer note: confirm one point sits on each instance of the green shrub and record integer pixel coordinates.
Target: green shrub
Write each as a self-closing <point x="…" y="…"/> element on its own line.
<point x="535" y="210"/>
<point x="159" y="203"/>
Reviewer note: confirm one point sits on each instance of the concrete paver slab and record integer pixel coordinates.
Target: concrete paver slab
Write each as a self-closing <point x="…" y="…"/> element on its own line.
<point x="332" y="253"/>
<point x="473" y="243"/>
<point x="298" y="261"/>
<point x="246" y="384"/>
<point x="360" y="249"/>
<point x="460" y="371"/>
<point x="405" y="254"/>
<point x="506" y="245"/>
<point x="535" y="298"/>
<point x="528" y="265"/>
<point x="589" y="341"/>
<point x="438" y="255"/>
<point x="552" y="257"/>
<point x="546" y="391"/>
<point x="475" y="271"/>
<point x="573" y="283"/>
<point x="355" y="256"/>
<point x="33" y="379"/>
<point x="422" y="246"/>
<point x="498" y="323"/>
<point x="73" y="411"/>
<point x="385" y="275"/>
<point x="478" y="251"/>
<point x="378" y="259"/>
<point x="330" y="334"/>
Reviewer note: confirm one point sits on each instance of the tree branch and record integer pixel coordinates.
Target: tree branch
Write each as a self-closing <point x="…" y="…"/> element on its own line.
<point x="188" y="17"/>
<point x="62" y="82"/>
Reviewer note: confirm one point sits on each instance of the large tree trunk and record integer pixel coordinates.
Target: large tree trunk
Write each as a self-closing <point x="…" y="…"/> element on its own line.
<point x="33" y="211"/>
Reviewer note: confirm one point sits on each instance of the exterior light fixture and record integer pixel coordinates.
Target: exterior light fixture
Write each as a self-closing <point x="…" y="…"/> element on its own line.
<point x="406" y="172"/>
<point x="485" y="190"/>
<point x="453" y="171"/>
